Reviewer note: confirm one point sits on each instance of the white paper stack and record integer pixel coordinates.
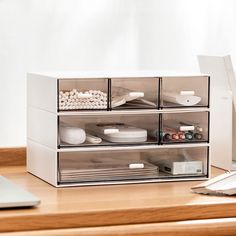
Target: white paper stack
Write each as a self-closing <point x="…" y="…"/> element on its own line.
<point x="107" y="169"/>
<point x="224" y="184"/>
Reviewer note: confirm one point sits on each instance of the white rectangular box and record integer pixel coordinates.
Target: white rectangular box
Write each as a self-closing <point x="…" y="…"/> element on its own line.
<point x="223" y="104"/>
<point x="182" y="167"/>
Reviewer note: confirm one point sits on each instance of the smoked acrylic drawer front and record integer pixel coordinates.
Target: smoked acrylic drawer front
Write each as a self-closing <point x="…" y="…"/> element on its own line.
<point x="132" y="165"/>
<point x="177" y="92"/>
<point x="83" y="94"/>
<point x="134" y="93"/>
<point x="187" y="127"/>
<point x="180" y="162"/>
<point x="108" y="129"/>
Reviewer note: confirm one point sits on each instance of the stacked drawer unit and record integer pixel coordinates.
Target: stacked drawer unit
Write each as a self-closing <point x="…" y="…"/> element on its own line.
<point x="96" y="129"/>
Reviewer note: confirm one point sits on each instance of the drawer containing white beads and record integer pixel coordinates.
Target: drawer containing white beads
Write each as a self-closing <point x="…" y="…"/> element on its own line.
<point x="100" y="130"/>
<point x="134" y="93"/>
<point x="190" y="92"/>
<point x="187" y="127"/>
<point x="87" y="94"/>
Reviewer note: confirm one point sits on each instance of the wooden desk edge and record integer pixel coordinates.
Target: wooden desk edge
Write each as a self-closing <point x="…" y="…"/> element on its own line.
<point x="225" y="226"/>
<point x="23" y="222"/>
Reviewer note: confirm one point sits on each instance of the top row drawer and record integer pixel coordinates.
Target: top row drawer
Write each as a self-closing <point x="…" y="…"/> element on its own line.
<point x="133" y="93"/>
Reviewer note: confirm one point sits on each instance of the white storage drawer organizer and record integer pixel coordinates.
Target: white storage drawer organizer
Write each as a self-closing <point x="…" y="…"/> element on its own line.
<point x="93" y="129"/>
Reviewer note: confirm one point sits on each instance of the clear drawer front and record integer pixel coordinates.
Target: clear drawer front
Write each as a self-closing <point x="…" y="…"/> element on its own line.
<point x="103" y="130"/>
<point x="184" y="92"/>
<point x="140" y="93"/>
<point x="89" y="94"/>
<point x="146" y="165"/>
<point x="188" y="127"/>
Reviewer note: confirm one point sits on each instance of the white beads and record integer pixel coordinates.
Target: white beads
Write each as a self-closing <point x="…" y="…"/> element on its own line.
<point x="75" y="99"/>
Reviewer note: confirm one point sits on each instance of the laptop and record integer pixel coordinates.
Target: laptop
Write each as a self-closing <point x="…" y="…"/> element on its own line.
<point x="12" y="195"/>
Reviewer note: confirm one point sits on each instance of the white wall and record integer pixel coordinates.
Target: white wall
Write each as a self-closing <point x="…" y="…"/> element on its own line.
<point x="58" y="35"/>
<point x="103" y="34"/>
<point x="221" y="29"/>
<point x="173" y="32"/>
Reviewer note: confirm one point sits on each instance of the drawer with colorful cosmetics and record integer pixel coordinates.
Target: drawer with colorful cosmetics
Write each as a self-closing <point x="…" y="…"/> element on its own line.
<point x="185" y="127"/>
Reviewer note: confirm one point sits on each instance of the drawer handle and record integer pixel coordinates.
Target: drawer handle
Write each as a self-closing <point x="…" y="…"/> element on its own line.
<point x="136" y="94"/>
<point x="136" y="166"/>
<point x="190" y="93"/>
<point x="186" y="128"/>
<point x="111" y="131"/>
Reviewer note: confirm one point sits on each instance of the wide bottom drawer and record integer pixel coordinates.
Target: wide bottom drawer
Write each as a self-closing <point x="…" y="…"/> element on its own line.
<point x="159" y="164"/>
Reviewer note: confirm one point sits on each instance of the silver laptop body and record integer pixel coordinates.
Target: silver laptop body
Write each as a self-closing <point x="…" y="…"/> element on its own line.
<point x="12" y="195"/>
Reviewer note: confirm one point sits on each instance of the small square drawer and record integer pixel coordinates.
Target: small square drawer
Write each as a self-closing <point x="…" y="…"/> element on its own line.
<point x="188" y="127"/>
<point x="107" y="129"/>
<point x="132" y="165"/>
<point x="83" y="94"/>
<point x="184" y="92"/>
<point x="134" y="93"/>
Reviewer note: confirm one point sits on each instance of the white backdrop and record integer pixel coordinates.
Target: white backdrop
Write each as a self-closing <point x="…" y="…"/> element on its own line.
<point x="103" y="34"/>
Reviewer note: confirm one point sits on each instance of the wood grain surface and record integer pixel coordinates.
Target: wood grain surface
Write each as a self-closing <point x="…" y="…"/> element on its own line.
<point x="15" y="156"/>
<point x="110" y="205"/>
<point x="214" y="227"/>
